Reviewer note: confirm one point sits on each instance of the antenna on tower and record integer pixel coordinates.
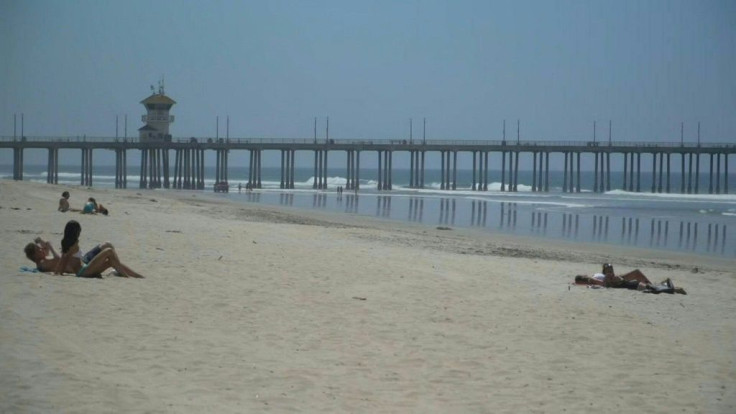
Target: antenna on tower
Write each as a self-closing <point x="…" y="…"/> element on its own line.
<point x="161" y="86"/>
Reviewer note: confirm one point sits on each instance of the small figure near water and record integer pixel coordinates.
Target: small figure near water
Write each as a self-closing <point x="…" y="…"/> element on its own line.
<point x="64" y="202"/>
<point x="91" y="207"/>
<point x="64" y="205"/>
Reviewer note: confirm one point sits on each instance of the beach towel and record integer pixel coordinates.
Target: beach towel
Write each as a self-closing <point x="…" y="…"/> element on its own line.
<point x="26" y="269"/>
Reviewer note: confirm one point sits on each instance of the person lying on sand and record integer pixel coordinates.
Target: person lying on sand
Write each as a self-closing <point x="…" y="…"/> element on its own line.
<point x="608" y="278"/>
<point x="38" y="252"/>
<point x="665" y="286"/>
<point x="42" y="253"/>
<point x="634" y="279"/>
<point x="72" y="261"/>
<point x="102" y="210"/>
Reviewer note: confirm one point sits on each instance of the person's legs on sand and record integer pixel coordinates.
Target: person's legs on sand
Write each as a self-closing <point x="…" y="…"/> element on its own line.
<point x="106" y="259"/>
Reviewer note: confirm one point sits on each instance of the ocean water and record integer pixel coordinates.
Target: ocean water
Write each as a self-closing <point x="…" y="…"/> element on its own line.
<point x="697" y="223"/>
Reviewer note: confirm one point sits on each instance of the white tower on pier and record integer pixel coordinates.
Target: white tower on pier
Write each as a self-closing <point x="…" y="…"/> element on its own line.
<point x="157" y="118"/>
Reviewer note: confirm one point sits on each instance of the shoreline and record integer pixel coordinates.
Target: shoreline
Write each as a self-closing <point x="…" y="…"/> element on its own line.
<point x="254" y="307"/>
<point x="464" y="239"/>
<point x="718" y="246"/>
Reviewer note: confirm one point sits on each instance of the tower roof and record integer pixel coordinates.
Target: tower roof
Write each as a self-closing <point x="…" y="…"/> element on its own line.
<point x="158" y="98"/>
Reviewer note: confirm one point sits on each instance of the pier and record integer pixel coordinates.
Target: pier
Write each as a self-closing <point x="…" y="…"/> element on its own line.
<point x="187" y="171"/>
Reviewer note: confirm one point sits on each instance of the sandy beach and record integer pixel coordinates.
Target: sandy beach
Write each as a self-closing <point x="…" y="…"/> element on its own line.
<point x="252" y="308"/>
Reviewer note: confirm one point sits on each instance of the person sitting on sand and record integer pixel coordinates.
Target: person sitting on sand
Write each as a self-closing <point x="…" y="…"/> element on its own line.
<point x="64" y="202"/>
<point x="634" y="279"/>
<point x="90" y="207"/>
<point x="72" y="261"/>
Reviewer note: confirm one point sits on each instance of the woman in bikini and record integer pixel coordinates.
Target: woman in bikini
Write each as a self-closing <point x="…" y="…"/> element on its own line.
<point x="634" y="279"/>
<point x="94" y="262"/>
<point x="42" y="253"/>
<point x="608" y="278"/>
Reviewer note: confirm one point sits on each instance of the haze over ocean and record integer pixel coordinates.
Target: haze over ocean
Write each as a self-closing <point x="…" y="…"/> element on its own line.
<point x="466" y="66"/>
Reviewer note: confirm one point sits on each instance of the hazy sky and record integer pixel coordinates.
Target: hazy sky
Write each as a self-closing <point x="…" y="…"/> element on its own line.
<point x="71" y="66"/>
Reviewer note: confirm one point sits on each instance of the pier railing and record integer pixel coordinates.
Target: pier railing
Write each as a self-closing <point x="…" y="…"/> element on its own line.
<point x="383" y="142"/>
<point x="189" y="161"/>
